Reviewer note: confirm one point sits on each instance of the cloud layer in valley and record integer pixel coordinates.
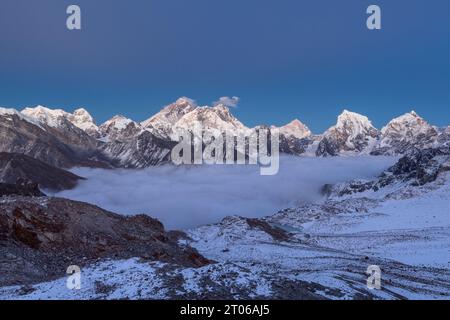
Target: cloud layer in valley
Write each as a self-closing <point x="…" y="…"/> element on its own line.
<point x="185" y="197"/>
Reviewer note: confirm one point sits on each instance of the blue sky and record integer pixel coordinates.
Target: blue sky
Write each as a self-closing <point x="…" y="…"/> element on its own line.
<point x="285" y="59"/>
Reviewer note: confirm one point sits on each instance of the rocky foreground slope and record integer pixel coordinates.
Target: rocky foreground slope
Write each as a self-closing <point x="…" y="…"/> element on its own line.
<point x="41" y="237"/>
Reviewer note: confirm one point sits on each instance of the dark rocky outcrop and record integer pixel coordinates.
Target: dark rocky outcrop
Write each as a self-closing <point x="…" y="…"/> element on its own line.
<point x="20" y="188"/>
<point x="41" y="237"/>
<point x="417" y="168"/>
<point x="15" y="166"/>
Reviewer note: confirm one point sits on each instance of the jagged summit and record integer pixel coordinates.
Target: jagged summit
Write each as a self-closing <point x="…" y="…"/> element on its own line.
<point x="352" y="133"/>
<point x="13" y="112"/>
<point x="218" y="118"/>
<point x="83" y="120"/>
<point x="171" y="113"/>
<point x="44" y="115"/>
<point x="119" y="126"/>
<point x="118" y="121"/>
<point x="406" y="132"/>
<point x="348" y="119"/>
<point x="295" y="129"/>
<point x="162" y="123"/>
<point x="80" y="118"/>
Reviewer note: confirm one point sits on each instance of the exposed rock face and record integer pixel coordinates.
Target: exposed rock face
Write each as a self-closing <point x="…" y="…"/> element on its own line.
<point x="295" y="137"/>
<point x="417" y="168"/>
<point x="119" y="127"/>
<point x="140" y="151"/>
<point x="15" y="166"/>
<point x="405" y="133"/>
<point x="444" y="137"/>
<point x="22" y="135"/>
<point x="58" y="123"/>
<point x="294" y="146"/>
<point x="41" y="237"/>
<point x="353" y="133"/>
<point x="128" y="145"/>
<point x="20" y="188"/>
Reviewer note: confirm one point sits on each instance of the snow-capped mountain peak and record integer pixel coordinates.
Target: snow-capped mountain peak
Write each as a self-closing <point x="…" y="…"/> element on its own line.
<point x="407" y="125"/>
<point x="184" y="114"/>
<point x="408" y="122"/>
<point x="54" y="118"/>
<point x="13" y="112"/>
<point x="47" y="116"/>
<point x="83" y="120"/>
<point x="119" y="127"/>
<point x="355" y="121"/>
<point x="171" y="113"/>
<point x="217" y="118"/>
<point x="353" y="132"/>
<point x="161" y="124"/>
<point x="295" y="129"/>
<point x="406" y="132"/>
<point x="118" y="122"/>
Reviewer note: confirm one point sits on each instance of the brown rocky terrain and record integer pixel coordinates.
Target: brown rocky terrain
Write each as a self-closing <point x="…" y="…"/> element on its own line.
<point x="20" y="188"/>
<point x="15" y="166"/>
<point x="41" y="236"/>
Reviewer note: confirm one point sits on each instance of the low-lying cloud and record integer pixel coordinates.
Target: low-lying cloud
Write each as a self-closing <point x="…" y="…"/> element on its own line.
<point x="185" y="197"/>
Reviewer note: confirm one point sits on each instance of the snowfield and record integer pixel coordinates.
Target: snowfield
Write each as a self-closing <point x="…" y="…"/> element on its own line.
<point x="311" y="251"/>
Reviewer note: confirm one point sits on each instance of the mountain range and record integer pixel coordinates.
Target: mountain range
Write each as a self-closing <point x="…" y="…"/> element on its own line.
<point x="63" y="139"/>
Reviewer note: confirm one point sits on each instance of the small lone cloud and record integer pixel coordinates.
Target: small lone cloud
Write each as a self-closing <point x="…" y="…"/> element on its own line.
<point x="231" y="102"/>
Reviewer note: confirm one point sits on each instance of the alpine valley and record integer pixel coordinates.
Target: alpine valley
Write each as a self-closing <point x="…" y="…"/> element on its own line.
<point x="398" y="220"/>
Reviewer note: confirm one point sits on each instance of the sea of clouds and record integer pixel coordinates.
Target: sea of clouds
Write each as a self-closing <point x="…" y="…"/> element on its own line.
<point x="188" y="196"/>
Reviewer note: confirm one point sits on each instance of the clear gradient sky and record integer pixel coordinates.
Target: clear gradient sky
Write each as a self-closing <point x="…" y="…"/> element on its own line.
<point x="285" y="59"/>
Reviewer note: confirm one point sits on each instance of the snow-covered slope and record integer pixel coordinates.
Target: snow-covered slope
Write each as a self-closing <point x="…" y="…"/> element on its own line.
<point x="83" y="120"/>
<point x="45" y="115"/>
<point x="119" y="127"/>
<point x="353" y="133"/>
<point x="55" y="117"/>
<point x="216" y="119"/>
<point x="9" y="112"/>
<point x="185" y="115"/>
<point x="162" y="123"/>
<point x="64" y="126"/>
<point x="62" y="145"/>
<point x="314" y="251"/>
